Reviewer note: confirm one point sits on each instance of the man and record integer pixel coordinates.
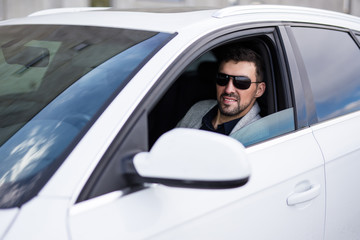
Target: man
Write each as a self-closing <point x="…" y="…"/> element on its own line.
<point x="239" y="83"/>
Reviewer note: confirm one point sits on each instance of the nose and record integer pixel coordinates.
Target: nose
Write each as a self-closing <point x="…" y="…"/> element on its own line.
<point x="229" y="88"/>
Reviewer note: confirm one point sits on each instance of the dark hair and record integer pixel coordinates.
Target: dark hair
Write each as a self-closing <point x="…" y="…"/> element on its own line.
<point x="238" y="53"/>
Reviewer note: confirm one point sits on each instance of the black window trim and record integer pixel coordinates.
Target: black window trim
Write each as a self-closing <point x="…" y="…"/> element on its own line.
<point x="304" y="97"/>
<point x="297" y="93"/>
<point x="356" y="36"/>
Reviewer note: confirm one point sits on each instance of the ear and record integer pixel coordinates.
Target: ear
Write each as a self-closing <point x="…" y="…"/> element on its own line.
<point x="260" y="89"/>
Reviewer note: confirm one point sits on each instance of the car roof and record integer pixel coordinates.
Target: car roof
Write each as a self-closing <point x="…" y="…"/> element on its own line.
<point x="176" y="19"/>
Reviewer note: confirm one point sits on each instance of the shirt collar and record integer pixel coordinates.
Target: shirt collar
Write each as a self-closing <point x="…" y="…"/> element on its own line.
<point x="224" y="128"/>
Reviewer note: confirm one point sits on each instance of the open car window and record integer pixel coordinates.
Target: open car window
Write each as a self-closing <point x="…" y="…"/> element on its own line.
<point x="197" y="82"/>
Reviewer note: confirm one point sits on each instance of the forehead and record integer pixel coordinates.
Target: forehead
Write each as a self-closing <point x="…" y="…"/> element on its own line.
<point x="238" y="68"/>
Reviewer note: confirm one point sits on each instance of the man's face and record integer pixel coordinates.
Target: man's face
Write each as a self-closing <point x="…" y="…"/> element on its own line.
<point x="233" y="102"/>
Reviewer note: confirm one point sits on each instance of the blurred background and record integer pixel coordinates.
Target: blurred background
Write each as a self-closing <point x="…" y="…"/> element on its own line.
<point x="20" y="8"/>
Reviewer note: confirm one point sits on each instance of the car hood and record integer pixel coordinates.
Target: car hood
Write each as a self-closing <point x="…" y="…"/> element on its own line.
<point x="7" y="217"/>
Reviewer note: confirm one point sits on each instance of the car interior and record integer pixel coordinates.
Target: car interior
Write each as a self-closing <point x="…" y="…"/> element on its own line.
<point x="197" y="82"/>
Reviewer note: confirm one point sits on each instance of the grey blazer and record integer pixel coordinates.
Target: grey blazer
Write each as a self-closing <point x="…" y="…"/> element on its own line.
<point x="193" y="118"/>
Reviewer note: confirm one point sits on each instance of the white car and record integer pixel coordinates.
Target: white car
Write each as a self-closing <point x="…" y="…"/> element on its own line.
<point x="89" y="101"/>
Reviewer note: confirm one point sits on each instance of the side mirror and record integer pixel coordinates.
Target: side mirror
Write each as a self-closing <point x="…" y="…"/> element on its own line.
<point x="194" y="158"/>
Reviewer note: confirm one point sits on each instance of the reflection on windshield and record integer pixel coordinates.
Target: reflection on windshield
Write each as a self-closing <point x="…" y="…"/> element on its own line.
<point x="23" y="68"/>
<point x="33" y="149"/>
<point x="26" y="152"/>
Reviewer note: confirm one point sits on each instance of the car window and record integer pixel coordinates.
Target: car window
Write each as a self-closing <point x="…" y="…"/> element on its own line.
<point x="54" y="82"/>
<point x="332" y="62"/>
<point x="267" y="127"/>
<point x="197" y="83"/>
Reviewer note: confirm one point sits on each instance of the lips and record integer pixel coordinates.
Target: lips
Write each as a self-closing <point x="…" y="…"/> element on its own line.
<point x="228" y="99"/>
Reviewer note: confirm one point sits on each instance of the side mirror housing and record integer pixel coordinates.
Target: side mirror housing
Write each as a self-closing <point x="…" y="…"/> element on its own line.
<point x="194" y="158"/>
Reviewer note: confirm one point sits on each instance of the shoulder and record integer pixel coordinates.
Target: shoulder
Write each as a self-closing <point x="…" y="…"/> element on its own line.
<point x="193" y="117"/>
<point x="203" y="105"/>
<point x="252" y="116"/>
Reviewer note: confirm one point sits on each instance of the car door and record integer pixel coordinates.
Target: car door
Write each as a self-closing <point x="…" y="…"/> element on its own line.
<point x="336" y="100"/>
<point x="283" y="199"/>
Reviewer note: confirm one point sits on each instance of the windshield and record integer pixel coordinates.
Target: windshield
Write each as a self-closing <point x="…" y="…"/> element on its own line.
<point x="54" y="81"/>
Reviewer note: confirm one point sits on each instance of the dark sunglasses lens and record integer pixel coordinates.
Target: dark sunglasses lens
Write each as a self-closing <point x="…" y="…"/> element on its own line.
<point x="222" y="79"/>
<point x="239" y="82"/>
<point x="242" y="82"/>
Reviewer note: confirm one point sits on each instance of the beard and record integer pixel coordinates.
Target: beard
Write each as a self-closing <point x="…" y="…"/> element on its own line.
<point x="231" y="110"/>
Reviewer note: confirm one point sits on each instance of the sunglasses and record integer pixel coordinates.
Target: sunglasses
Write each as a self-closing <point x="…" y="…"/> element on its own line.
<point x="240" y="82"/>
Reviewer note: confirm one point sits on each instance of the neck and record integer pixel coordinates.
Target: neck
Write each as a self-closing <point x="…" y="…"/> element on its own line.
<point x="221" y="118"/>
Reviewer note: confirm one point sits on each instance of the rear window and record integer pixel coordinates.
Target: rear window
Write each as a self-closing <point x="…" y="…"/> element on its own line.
<point x="332" y="61"/>
<point x="54" y="81"/>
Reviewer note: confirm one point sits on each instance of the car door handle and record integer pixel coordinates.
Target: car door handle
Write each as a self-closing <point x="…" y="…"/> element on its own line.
<point x="305" y="196"/>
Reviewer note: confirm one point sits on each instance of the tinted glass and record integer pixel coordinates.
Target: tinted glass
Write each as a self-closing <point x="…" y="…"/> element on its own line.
<point x="332" y="61"/>
<point x="267" y="127"/>
<point x="54" y="82"/>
